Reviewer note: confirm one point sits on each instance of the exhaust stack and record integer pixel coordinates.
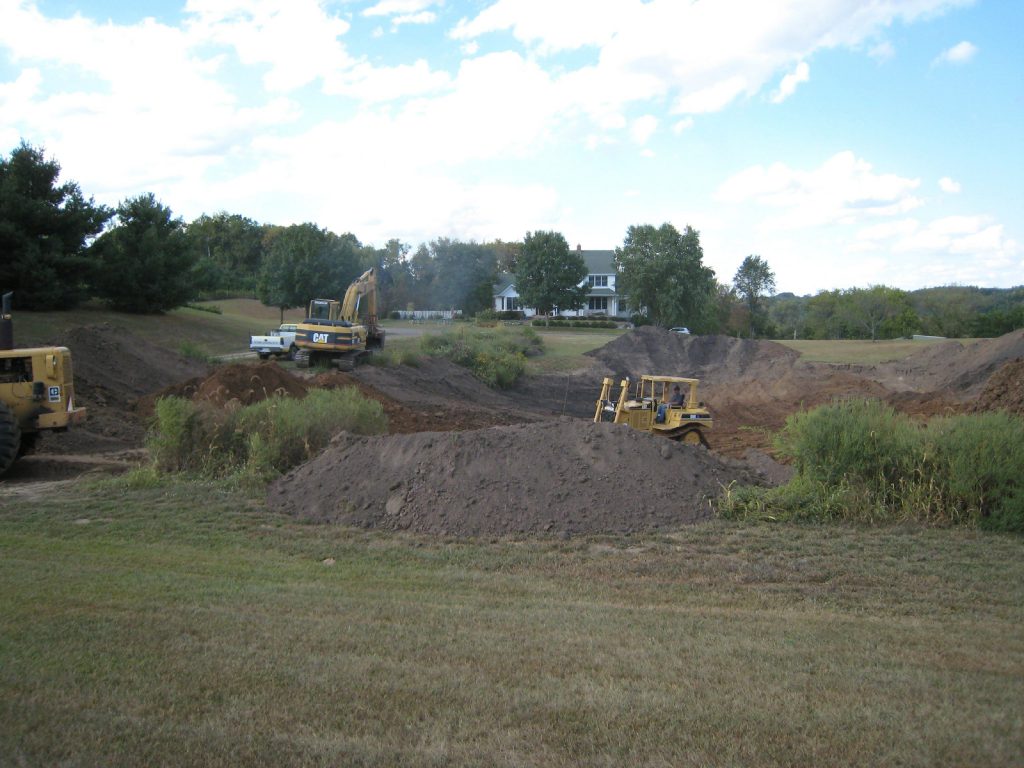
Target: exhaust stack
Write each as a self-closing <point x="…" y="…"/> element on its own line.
<point x="6" y="326"/>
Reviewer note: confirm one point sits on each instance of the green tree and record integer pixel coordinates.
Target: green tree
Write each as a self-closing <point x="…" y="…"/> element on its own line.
<point x="754" y="280"/>
<point x="548" y="274"/>
<point x="662" y="271"/>
<point x="229" y="252"/>
<point x="789" y="313"/>
<point x="464" y="276"/>
<point x="45" y="230"/>
<point x="144" y="263"/>
<point x="824" y="318"/>
<point x="303" y="262"/>
<point x="879" y="310"/>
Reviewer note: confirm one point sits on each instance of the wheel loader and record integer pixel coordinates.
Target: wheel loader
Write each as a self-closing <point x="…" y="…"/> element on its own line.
<point x="37" y="392"/>
<point x="332" y="332"/>
<point x="652" y="408"/>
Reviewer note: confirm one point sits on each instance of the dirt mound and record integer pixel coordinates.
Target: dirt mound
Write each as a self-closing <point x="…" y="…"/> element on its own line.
<point x="709" y="358"/>
<point x="963" y="369"/>
<point x="405" y="419"/>
<point x="248" y="384"/>
<point x="562" y="477"/>
<point x="1004" y="390"/>
<point x="112" y="368"/>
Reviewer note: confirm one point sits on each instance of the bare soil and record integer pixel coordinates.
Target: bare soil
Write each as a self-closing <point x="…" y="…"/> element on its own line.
<point x="463" y="459"/>
<point x="564" y="476"/>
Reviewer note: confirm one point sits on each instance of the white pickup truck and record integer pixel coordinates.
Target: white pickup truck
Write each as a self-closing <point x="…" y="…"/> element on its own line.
<point x="279" y="343"/>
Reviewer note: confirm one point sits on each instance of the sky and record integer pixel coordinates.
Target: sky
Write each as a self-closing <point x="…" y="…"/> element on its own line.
<point x="848" y="143"/>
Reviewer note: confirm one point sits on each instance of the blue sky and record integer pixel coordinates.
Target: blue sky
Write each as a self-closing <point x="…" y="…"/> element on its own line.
<point x="847" y="142"/>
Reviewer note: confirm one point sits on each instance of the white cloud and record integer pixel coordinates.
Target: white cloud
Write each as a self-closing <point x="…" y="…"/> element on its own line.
<point x="882" y="52"/>
<point x="843" y="190"/>
<point x="643" y="128"/>
<point x="682" y="125"/>
<point x="295" y="38"/>
<point x="694" y="53"/>
<point x="949" y="186"/>
<point x="961" y="53"/>
<point x="423" y="17"/>
<point x="376" y="84"/>
<point x="551" y="27"/>
<point x="398" y="7"/>
<point x="787" y="87"/>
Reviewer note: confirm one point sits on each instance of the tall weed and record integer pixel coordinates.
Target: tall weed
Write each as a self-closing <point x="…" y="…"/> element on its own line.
<point x="976" y="463"/>
<point x="260" y="440"/>
<point x="861" y="461"/>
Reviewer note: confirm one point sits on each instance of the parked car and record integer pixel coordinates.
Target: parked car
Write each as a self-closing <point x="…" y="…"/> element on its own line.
<point x="680" y="330"/>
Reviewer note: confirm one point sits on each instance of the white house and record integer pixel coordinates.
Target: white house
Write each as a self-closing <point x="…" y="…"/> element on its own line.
<point x="602" y="297"/>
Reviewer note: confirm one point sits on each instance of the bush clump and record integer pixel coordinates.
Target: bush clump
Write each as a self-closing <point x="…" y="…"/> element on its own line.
<point x="859" y="460"/>
<point x="261" y="440"/>
<point x="497" y="356"/>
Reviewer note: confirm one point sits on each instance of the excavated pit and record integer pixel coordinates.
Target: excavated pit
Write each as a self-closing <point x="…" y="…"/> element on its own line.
<point x="462" y="459"/>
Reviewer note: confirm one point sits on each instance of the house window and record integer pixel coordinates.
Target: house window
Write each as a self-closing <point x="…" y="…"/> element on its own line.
<point x="512" y="303"/>
<point x="598" y="304"/>
<point x="597" y="281"/>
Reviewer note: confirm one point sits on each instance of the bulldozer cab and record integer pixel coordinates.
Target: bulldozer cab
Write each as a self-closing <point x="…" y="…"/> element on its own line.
<point x="648" y="405"/>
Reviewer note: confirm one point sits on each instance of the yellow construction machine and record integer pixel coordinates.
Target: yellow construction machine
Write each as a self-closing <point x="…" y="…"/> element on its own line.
<point x="334" y="334"/>
<point x="663" y="405"/>
<point x="37" y="392"/>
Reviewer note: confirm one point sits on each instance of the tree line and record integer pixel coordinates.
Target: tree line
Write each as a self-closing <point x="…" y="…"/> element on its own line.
<point x="60" y="248"/>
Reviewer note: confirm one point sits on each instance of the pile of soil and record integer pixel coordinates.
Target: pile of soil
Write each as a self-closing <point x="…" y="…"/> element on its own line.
<point x="430" y="416"/>
<point x="240" y="384"/>
<point x="1004" y="390"/>
<point x="112" y="368"/>
<point x="230" y="386"/>
<point x="961" y="369"/>
<point x="712" y="359"/>
<point x="562" y="476"/>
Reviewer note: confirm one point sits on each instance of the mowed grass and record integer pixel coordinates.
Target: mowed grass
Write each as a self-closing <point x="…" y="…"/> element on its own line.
<point x="143" y="627"/>
<point x="858" y="352"/>
<point x="564" y="350"/>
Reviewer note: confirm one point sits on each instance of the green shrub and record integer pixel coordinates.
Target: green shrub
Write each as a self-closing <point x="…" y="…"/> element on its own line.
<point x="860" y="461"/>
<point x="193" y="351"/>
<point x="260" y="440"/>
<point x="494" y="355"/>
<point x="860" y="442"/>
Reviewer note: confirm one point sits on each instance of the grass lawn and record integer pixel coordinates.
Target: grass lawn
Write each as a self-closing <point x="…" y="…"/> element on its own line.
<point x="143" y="628"/>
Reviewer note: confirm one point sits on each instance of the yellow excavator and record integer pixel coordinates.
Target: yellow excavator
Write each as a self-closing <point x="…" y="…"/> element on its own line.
<point x="37" y="392"/>
<point x="662" y="405"/>
<point x="333" y="333"/>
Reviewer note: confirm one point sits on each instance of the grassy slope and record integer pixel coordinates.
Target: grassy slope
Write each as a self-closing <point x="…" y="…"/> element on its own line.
<point x="229" y="332"/>
<point x="142" y="628"/>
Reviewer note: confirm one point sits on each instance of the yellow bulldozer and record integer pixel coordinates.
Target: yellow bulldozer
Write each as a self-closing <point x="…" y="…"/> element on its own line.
<point x="37" y="392"/>
<point x="338" y="333"/>
<point x="663" y="405"/>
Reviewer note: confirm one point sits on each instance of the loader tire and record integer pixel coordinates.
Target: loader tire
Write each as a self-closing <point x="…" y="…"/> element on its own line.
<point x="10" y="438"/>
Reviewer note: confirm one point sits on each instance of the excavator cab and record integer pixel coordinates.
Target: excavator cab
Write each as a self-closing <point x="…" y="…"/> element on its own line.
<point x="334" y="333"/>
